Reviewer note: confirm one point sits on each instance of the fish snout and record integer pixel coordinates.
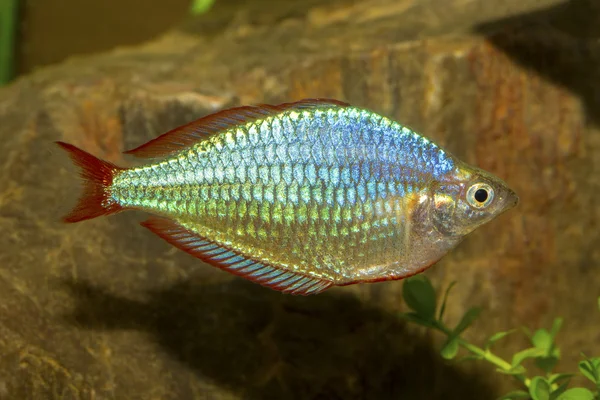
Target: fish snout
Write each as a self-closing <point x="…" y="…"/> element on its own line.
<point x="511" y="199"/>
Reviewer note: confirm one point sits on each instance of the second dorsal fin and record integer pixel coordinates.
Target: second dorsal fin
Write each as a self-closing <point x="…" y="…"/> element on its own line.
<point x="189" y="134"/>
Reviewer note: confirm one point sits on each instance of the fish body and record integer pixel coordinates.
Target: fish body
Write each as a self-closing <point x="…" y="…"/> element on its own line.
<point x="300" y="196"/>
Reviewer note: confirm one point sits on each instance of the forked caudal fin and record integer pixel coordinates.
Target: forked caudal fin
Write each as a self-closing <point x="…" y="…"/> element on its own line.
<point x="97" y="177"/>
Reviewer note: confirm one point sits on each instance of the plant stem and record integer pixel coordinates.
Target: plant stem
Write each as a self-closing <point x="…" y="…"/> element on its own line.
<point x="8" y="16"/>
<point x="485" y="354"/>
<point x="494" y="359"/>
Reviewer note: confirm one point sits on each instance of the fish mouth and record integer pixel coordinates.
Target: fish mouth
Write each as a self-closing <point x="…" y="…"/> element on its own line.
<point x="511" y="199"/>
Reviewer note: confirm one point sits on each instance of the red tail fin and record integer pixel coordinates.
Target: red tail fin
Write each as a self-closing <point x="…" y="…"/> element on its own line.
<point x="98" y="176"/>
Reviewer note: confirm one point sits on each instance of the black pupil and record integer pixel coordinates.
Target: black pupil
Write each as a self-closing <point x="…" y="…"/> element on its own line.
<point x="481" y="195"/>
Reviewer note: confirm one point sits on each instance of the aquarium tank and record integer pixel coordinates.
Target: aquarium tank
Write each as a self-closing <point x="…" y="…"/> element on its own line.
<point x="280" y="199"/>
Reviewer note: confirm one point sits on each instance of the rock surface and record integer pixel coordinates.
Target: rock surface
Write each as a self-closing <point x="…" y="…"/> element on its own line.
<point x="103" y="309"/>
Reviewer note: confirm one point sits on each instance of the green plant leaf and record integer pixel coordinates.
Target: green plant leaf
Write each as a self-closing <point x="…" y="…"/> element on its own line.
<point x="532" y="352"/>
<point x="200" y="6"/>
<point x="416" y="318"/>
<point x="467" y="319"/>
<point x="559" y="390"/>
<point x="517" y="394"/>
<point x="576" y="394"/>
<point x="589" y="370"/>
<point x="542" y="340"/>
<point x="546" y="364"/>
<point x="450" y="349"/>
<point x="596" y="363"/>
<point x="443" y="306"/>
<point x="495" y="337"/>
<point x="419" y="295"/>
<point x="556" y="378"/>
<point x="555" y="327"/>
<point x="539" y="389"/>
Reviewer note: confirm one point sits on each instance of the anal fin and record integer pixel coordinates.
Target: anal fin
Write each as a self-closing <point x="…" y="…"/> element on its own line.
<point x="233" y="261"/>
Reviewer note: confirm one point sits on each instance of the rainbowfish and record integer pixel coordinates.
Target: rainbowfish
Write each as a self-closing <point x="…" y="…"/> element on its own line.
<point x="298" y="197"/>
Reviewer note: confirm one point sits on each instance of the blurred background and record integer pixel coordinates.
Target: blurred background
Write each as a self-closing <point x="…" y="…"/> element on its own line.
<point x="35" y="33"/>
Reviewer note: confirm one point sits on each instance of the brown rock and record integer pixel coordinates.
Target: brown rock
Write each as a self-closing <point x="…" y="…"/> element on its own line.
<point x="103" y="309"/>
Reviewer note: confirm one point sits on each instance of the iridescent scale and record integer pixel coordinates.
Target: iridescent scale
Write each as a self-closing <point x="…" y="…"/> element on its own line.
<point x="331" y="192"/>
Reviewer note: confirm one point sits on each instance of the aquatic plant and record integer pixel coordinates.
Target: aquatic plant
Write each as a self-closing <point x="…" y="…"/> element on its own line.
<point x="200" y="6"/>
<point x="420" y="295"/>
<point x="8" y="24"/>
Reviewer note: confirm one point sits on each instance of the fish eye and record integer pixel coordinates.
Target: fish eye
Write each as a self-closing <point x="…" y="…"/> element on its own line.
<point x="480" y="195"/>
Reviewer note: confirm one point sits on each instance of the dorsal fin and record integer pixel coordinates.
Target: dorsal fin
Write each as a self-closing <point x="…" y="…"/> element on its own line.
<point x="233" y="261"/>
<point x="189" y="134"/>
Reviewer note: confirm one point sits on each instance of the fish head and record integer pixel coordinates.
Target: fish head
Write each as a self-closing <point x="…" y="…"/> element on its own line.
<point x="467" y="198"/>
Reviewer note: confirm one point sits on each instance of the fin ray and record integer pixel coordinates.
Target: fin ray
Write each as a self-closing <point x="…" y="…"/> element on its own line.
<point x="187" y="135"/>
<point x="219" y="256"/>
<point x="97" y="177"/>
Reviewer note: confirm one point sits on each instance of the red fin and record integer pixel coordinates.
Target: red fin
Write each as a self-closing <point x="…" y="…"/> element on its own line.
<point x="234" y="262"/>
<point x="388" y="278"/>
<point x="97" y="176"/>
<point x="187" y="135"/>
